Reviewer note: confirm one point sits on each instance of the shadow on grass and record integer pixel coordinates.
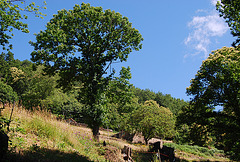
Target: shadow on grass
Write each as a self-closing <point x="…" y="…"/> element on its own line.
<point x="143" y="157"/>
<point x="44" y="155"/>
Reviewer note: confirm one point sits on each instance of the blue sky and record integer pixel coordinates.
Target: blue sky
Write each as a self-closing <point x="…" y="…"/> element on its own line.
<point x="178" y="36"/>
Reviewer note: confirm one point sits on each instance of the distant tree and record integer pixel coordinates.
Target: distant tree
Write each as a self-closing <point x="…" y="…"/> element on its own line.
<point x="174" y="105"/>
<point x="5" y="65"/>
<point x="165" y="100"/>
<point x="120" y="90"/>
<point x="21" y="76"/>
<point x="119" y="96"/>
<point x="143" y="94"/>
<point x="38" y="88"/>
<point x="154" y="121"/>
<point x="217" y="83"/>
<point x="63" y="104"/>
<point x="80" y="45"/>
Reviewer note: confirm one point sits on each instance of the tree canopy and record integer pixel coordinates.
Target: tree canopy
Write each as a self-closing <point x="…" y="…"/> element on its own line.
<point x="217" y="83"/>
<point x="80" y="45"/>
<point x="7" y="94"/>
<point x="218" y="80"/>
<point x="154" y="121"/>
<point x="230" y="11"/>
<point x="165" y="100"/>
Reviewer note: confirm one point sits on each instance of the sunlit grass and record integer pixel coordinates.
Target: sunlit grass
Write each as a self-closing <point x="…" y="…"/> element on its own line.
<point x="40" y="129"/>
<point x="208" y="154"/>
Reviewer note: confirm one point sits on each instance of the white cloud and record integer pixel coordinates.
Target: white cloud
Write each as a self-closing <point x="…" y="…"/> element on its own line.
<point x="203" y="29"/>
<point x="214" y="2"/>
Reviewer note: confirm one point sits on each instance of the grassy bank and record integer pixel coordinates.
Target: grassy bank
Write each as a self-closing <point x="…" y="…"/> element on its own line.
<point x="38" y="135"/>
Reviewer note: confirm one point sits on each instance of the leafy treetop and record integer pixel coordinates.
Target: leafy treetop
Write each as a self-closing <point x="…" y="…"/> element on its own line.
<point x="217" y="83"/>
<point x="12" y="18"/>
<point x="218" y="80"/>
<point x="154" y="121"/>
<point x="230" y="11"/>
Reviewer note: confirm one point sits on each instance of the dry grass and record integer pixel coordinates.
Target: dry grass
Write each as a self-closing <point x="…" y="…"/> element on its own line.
<point x="40" y="129"/>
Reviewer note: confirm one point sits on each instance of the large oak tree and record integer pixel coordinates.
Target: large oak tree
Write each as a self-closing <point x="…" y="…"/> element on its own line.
<point x="80" y="45"/>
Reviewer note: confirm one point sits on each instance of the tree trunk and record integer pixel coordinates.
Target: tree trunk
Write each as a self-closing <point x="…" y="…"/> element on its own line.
<point x="3" y="144"/>
<point x="95" y="131"/>
<point x="146" y="140"/>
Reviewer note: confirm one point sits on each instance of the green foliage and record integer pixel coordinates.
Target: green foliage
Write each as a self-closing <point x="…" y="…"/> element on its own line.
<point x="6" y="62"/>
<point x="64" y="104"/>
<point x="195" y="126"/>
<point x="7" y="94"/>
<point x="175" y="105"/>
<point x="154" y="121"/>
<point x="119" y="90"/>
<point x="196" y="150"/>
<point x="120" y="100"/>
<point x="217" y="83"/>
<point x="120" y="117"/>
<point x="21" y="72"/>
<point x="15" y="73"/>
<point x="80" y="45"/>
<point x="144" y="95"/>
<point x="39" y="87"/>
<point x="229" y="10"/>
<point x="11" y="18"/>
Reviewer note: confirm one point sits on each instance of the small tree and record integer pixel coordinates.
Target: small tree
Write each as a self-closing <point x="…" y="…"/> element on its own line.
<point x="7" y="95"/>
<point x="154" y="121"/>
<point x="119" y="97"/>
<point x="80" y="45"/>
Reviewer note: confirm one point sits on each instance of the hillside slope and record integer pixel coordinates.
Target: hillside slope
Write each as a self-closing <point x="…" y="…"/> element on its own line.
<point x="38" y="135"/>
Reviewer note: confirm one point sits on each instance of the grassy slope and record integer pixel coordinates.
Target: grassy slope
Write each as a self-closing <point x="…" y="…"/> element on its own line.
<point x="39" y="136"/>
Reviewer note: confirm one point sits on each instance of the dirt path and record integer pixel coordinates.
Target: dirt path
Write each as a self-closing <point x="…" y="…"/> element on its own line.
<point x="119" y="143"/>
